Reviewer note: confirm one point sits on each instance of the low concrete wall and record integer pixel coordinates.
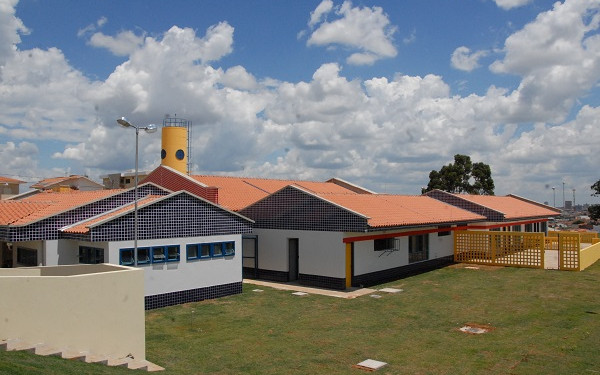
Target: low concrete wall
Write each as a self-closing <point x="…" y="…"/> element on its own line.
<point x="589" y="256"/>
<point x="95" y="308"/>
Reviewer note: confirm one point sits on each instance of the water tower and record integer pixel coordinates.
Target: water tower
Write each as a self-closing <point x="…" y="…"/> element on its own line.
<point x="176" y="144"/>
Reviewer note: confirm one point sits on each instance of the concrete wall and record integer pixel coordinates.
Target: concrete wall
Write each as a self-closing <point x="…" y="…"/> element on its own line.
<point x="319" y="253"/>
<point x="98" y="308"/>
<point x="185" y="274"/>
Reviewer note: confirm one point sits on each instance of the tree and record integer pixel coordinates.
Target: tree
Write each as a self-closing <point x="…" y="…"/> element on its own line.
<point x="462" y="176"/>
<point x="596" y="188"/>
<point x="594" y="211"/>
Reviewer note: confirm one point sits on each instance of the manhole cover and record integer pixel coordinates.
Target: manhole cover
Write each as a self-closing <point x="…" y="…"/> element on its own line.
<point x="370" y="365"/>
<point x="475" y="329"/>
<point x="391" y="290"/>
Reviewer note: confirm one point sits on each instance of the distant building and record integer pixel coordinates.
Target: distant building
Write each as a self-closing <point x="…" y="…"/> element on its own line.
<point x="73" y="182"/>
<point x="9" y="187"/>
<point x="124" y="180"/>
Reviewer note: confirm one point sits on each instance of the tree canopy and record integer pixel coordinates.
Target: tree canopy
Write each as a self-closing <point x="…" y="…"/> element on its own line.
<point x="462" y="176"/>
<point x="596" y="188"/>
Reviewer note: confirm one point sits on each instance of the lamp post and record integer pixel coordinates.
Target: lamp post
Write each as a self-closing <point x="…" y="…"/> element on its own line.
<point x="554" y="196"/>
<point x="151" y="128"/>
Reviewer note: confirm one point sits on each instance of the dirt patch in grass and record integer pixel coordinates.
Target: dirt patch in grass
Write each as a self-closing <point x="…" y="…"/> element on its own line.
<point x="475" y="267"/>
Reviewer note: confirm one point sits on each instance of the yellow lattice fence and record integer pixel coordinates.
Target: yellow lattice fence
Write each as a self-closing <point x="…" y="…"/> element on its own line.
<point x="569" y="248"/>
<point x="516" y="249"/>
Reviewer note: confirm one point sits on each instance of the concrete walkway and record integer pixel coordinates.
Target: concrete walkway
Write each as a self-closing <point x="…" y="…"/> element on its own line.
<point x="293" y="286"/>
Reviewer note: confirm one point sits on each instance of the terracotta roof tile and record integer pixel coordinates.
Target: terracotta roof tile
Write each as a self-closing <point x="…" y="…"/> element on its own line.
<point x="15" y="211"/>
<point x="52" y="203"/>
<point x="236" y="193"/>
<point x="511" y="207"/>
<point x="401" y="210"/>
<point x="10" y="180"/>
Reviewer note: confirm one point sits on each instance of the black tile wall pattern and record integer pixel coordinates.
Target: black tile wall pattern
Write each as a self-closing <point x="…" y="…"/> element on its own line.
<point x="322" y="281"/>
<point x="191" y="295"/>
<point x="181" y="215"/>
<point x="291" y="208"/>
<point x="392" y="274"/>
<point x="271" y="275"/>
<point x="48" y="229"/>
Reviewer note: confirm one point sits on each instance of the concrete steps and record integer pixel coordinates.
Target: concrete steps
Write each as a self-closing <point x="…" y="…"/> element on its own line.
<point x="45" y="350"/>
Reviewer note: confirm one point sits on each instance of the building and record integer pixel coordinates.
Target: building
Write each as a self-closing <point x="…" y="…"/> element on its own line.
<point x="506" y="213"/>
<point x="122" y="180"/>
<point x="73" y="182"/>
<point x="9" y="187"/>
<point x="189" y="248"/>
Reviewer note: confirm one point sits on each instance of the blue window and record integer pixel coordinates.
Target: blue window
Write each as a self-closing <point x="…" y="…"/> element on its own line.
<point x="205" y="250"/>
<point x="229" y="248"/>
<point x="172" y="253"/>
<point x="143" y="255"/>
<point x="126" y="257"/>
<point x="217" y="249"/>
<point x="210" y="250"/>
<point x="158" y="254"/>
<point x="192" y="251"/>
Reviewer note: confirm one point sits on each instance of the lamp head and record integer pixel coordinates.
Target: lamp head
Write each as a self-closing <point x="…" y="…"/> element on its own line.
<point x="124" y="123"/>
<point x="151" y="128"/>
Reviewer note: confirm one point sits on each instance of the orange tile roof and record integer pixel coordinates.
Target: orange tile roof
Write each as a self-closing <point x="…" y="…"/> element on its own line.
<point x="52" y="203"/>
<point x="385" y="210"/>
<point x="10" y="180"/>
<point x="84" y="226"/>
<point x="14" y="211"/>
<point x="236" y="193"/>
<point x="510" y="206"/>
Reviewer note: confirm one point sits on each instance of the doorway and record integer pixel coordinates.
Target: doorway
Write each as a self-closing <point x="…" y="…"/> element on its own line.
<point x="293" y="256"/>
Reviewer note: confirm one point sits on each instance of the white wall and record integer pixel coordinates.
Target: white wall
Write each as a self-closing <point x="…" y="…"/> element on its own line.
<point x="319" y="253"/>
<point x="186" y="274"/>
<point x="367" y="260"/>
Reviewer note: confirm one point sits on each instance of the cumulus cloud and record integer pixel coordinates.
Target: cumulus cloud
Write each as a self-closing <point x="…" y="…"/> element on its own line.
<point x="367" y="30"/>
<point x="509" y="4"/>
<point x="558" y="58"/>
<point x="385" y="133"/>
<point x="121" y="45"/>
<point x="11" y="28"/>
<point x="463" y="59"/>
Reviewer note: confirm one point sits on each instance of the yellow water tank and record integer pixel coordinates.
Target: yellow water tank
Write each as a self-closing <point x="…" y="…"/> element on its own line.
<point x="174" y="148"/>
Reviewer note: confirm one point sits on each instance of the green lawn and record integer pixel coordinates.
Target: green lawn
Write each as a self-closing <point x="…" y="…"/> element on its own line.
<point x="545" y="322"/>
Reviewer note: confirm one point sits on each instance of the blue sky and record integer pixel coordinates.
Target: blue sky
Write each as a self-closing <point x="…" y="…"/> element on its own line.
<point x="376" y="92"/>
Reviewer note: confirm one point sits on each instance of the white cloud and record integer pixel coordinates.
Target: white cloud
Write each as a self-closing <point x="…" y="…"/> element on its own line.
<point x="558" y="57"/>
<point x="366" y="29"/>
<point x="92" y="27"/>
<point x="463" y="59"/>
<point x="10" y="29"/>
<point x="320" y="11"/>
<point x="509" y="4"/>
<point x="121" y="45"/>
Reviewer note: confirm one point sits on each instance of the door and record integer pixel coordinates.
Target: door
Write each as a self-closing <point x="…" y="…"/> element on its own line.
<point x="293" y="259"/>
<point x="250" y="257"/>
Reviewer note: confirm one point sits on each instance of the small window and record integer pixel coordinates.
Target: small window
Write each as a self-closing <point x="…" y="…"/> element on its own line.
<point x="163" y="153"/>
<point x="158" y="255"/>
<point x="217" y="249"/>
<point x="179" y="154"/>
<point x="383" y="244"/>
<point x="445" y="232"/>
<point x="143" y="255"/>
<point x="192" y="251"/>
<point x="173" y="253"/>
<point x="229" y="248"/>
<point x="516" y="228"/>
<point x="91" y="255"/>
<point x="418" y="248"/>
<point x="126" y="257"/>
<point x="205" y="250"/>
<point x="26" y="257"/>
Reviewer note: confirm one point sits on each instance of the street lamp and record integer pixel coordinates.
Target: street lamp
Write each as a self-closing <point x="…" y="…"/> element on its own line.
<point x="151" y="128"/>
<point x="554" y="196"/>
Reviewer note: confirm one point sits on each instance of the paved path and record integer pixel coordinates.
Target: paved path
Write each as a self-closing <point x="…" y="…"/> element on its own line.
<point x="293" y="286"/>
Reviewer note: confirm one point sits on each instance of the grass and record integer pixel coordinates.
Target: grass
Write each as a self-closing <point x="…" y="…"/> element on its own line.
<point x="544" y="322"/>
